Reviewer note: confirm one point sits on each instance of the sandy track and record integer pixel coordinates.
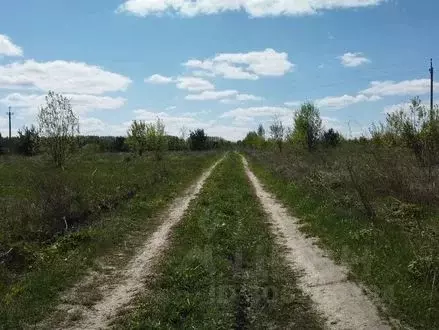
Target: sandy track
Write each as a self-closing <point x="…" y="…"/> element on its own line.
<point x="341" y="302"/>
<point x="131" y="279"/>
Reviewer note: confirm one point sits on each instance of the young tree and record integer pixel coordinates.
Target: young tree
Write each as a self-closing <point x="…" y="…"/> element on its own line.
<point x="28" y="141"/>
<point x="136" y="139"/>
<point x="307" y="126"/>
<point x="59" y="125"/>
<point x="277" y="132"/>
<point x="198" y="140"/>
<point x="261" y="131"/>
<point x="331" y="138"/>
<point x="156" y="139"/>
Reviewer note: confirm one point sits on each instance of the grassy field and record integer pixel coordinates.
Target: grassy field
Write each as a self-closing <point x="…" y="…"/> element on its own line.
<point x="57" y="222"/>
<point x="395" y="252"/>
<point x="223" y="269"/>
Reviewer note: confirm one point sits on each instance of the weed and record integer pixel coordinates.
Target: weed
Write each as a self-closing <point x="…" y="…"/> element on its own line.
<point x="223" y="269"/>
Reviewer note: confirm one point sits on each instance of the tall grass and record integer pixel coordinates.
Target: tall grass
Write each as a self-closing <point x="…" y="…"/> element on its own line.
<point x="56" y="223"/>
<point x="376" y="208"/>
<point x="223" y="269"/>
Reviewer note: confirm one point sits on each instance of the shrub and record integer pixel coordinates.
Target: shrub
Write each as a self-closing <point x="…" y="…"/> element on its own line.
<point x="331" y="138"/>
<point x="137" y="137"/>
<point x="198" y="140"/>
<point x="277" y="132"/>
<point x="28" y="141"/>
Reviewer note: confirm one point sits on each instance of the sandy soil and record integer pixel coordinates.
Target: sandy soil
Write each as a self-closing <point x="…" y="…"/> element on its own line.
<point x="341" y="302"/>
<point x="116" y="289"/>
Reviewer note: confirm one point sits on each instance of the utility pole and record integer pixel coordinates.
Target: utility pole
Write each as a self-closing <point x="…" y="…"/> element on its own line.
<point x="431" y="84"/>
<point x="10" y="114"/>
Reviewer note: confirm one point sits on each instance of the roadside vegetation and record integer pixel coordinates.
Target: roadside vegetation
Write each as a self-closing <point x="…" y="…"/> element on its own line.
<point x="223" y="269"/>
<point x="372" y="201"/>
<point x="64" y="203"/>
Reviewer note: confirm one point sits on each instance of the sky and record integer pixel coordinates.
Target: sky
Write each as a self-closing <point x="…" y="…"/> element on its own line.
<point x="221" y="65"/>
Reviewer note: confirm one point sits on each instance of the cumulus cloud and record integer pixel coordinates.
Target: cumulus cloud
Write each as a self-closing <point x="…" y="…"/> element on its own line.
<point x="81" y="103"/>
<point x="339" y="102"/>
<point x="293" y="104"/>
<point x="254" y="8"/>
<point x="8" y="48"/>
<point x="406" y="87"/>
<point x="96" y="126"/>
<point x="248" y="66"/>
<point x="159" y="79"/>
<point x="194" y="84"/>
<point x="352" y="60"/>
<point x="253" y="112"/>
<point x="211" y="95"/>
<point x="242" y="98"/>
<point x="405" y="106"/>
<point x="174" y="123"/>
<point x="61" y="76"/>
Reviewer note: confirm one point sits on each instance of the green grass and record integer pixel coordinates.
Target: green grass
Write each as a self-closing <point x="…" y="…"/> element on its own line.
<point x="223" y="269"/>
<point x="30" y="293"/>
<point x="380" y="254"/>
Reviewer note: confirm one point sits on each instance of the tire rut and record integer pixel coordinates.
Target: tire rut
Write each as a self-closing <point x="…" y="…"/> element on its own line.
<point x="341" y="302"/>
<point x="129" y="281"/>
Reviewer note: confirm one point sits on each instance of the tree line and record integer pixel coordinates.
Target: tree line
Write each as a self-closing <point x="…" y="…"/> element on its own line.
<point x="58" y="135"/>
<point x="307" y="132"/>
<point x="415" y="127"/>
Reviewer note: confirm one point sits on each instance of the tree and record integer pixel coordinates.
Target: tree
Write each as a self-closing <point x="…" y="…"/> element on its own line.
<point x="261" y="131"/>
<point x="136" y="139"/>
<point x="198" y="140"/>
<point x="331" y="138"/>
<point x="277" y="131"/>
<point x="253" y="140"/>
<point x="156" y="138"/>
<point x="59" y="125"/>
<point x="307" y="126"/>
<point x="416" y="127"/>
<point x="28" y="141"/>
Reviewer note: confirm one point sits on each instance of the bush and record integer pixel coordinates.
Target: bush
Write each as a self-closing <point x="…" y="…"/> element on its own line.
<point x="331" y="138"/>
<point x="198" y="140"/>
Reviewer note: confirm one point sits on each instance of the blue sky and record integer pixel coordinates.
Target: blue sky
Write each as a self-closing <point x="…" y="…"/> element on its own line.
<point x="222" y="65"/>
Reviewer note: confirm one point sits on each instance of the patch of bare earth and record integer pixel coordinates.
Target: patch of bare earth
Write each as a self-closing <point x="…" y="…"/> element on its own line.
<point x="96" y="300"/>
<point x="341" y="302"/>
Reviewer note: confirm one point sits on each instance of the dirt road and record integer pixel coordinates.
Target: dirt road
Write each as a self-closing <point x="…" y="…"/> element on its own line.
<point x="342" y="302"/>
<point x="127" y="282"/>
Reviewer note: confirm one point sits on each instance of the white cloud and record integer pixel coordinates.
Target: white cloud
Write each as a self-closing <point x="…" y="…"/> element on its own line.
<point x="170" y="108"/>
<point x="211" y="95"/>
<point x="242" y="98"/>
<point x="406" y="87"/>
<point x="405" y="106"/>
<point x="254" y="8"/>
<point x="159" y="79"/>
<point x="293" y="104"/>
<point x="396" y="107"/>
<point x="339" y="102"/>
<point x="61" y="76"/>
<point x="352" y="60"/>
<point x="81" y="103"/>
<point x="249" y="66"/>
<point x="96" y="126"/>
<point x="253" y="112"/>
<point x="194" y="84"/>
<point x="173" y="124"/>
<point x="196" y="113"/>
<point x="8" y="48"/>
